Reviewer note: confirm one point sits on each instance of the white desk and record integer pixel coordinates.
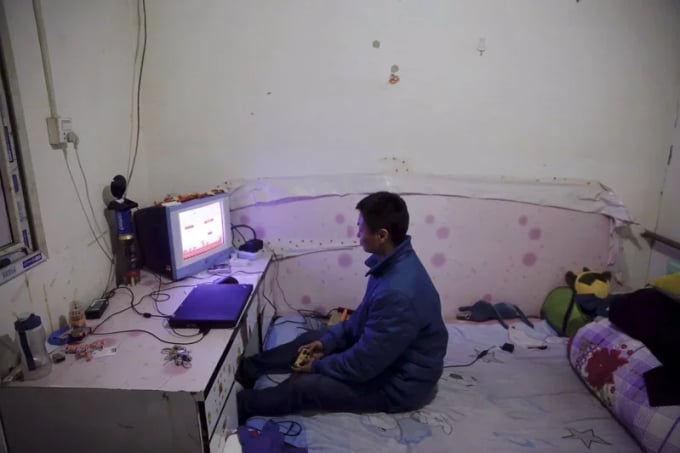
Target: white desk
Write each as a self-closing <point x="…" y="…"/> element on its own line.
<point x="134" y="400"/>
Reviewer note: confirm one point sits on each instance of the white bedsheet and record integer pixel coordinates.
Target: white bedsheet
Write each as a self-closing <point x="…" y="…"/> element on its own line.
<point x="527" y="400"/>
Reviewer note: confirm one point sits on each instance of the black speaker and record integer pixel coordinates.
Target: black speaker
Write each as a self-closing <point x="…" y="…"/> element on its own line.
<point x="152" y="235"/>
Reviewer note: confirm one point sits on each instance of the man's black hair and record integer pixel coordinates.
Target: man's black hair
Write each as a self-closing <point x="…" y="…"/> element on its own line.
<point x="385" y="210"/>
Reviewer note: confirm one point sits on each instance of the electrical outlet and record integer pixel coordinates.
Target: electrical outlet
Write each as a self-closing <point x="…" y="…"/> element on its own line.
<point x="57" y="129"/>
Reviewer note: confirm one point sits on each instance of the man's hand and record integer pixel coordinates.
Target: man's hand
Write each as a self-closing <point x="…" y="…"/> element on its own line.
<point x="315" y="349"/>
<point x="306" y="366"/>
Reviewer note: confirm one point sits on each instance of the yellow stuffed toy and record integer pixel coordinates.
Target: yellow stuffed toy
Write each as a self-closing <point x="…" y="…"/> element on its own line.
<point x="592" y="291"/>
<point x="589" y="282"/>
<point x="669" y="283"/>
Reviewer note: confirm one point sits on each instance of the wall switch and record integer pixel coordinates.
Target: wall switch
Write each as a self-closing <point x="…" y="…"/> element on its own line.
<point x="57" y="129"/>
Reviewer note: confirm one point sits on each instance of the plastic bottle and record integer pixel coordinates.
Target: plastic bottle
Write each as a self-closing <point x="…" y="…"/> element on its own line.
<point x="30" y="340"/>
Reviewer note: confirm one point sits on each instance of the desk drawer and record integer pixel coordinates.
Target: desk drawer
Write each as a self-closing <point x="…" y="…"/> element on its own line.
<point x="215" y="399"/>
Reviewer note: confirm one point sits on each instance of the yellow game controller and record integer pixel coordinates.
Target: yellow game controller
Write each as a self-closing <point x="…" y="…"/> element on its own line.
<point x="302" y="356"/>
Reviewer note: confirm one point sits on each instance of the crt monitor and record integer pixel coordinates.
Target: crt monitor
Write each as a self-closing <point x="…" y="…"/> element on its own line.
<point x="181" y="239"/>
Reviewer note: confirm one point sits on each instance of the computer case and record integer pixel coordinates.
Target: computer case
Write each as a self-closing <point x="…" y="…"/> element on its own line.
<point x="154" y="243"/>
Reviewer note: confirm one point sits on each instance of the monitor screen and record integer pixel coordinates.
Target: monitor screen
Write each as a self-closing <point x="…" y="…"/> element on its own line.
<point x="201" y="230"/>
<point x="199" y="234"/>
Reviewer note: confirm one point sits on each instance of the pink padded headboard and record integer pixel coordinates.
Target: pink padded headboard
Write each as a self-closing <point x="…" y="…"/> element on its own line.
<point x="500" y="251"/>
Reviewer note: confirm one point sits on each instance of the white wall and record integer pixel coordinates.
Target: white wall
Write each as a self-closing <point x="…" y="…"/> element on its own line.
<point x="668" y="224"/>
<point x="669" y="214"/>
<point x="92" y="45"/>
<point x="241" y="88"/>
<point x="268" y="88"/>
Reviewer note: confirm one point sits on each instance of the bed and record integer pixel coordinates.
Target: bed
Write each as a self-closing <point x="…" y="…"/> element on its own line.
<point x="521" y="401"/>
<point x="487" y="239"/>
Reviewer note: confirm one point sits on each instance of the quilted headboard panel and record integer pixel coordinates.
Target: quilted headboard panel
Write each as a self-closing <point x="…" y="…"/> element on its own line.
<point x="501" y="251"/>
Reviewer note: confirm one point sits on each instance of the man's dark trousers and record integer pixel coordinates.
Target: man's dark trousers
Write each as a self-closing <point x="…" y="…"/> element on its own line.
<point x="301" y="391"/>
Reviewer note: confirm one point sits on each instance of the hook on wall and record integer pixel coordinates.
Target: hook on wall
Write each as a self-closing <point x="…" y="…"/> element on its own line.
<point x="481" y="46"/>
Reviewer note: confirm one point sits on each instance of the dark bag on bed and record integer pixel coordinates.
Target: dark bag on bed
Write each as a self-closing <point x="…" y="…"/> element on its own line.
<point x="485" y="311"/>
<point x="562" y="313"/>
<point x="653" y="317"/>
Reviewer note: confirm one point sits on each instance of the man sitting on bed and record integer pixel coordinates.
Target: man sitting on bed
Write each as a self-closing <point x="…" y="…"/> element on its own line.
<point x="387" y="357"/>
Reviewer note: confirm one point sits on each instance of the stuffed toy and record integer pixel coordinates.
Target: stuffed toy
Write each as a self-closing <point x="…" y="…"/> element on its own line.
<point x="591" y="291"/>
<point x="586" y="296"/>
<point x="589" y="282"/>
<point x="668" y="284"/>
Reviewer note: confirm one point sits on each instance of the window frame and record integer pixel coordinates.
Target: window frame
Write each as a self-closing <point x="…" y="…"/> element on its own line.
<point x="28" y="248"/>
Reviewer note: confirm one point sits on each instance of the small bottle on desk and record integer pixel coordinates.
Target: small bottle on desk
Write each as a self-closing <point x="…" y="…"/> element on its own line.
<point x="77" y="321"/>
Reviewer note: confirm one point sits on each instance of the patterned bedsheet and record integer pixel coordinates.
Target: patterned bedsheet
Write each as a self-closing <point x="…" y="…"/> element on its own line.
<point x="528" y="400"/>
<point x="611" y="364"/>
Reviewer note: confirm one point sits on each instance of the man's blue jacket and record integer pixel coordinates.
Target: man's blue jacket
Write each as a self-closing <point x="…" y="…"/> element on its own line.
<point x="396" y="337"/>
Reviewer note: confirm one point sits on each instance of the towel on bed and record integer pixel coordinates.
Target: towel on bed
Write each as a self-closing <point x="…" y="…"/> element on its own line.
<point x="269" y="440"/>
